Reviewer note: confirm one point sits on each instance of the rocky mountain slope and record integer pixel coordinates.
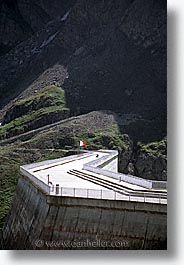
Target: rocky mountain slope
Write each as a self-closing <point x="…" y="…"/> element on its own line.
<point x="63" y="138"/>
<point x="45" y="107"/>
<point x="82" y="69"/>
<point x="105" y="54"/>
<point x="20" y="19"/>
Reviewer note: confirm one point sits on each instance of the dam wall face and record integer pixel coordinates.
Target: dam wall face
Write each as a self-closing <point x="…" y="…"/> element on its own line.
<point x="41" y="221"/>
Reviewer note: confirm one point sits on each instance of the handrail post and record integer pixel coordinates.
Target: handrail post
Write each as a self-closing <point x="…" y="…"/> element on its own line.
<point x="101" y="194"/>
<point x="57" y="189"/>
<point x="61" y="191"/>
<point x="115" y="195"/>
<point x="74" y="192"/>
<point x="87" y="193"/>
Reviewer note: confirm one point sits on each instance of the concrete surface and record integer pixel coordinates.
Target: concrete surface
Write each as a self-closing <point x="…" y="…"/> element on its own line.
<point x="91" y="208"/>
<point x="58" y="174"/>
<point x="39" y="221"/>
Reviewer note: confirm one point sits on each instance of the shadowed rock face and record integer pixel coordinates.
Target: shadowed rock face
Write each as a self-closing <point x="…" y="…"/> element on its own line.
<point x="19" y="19"/>
<point x="119" y="61"/>
<point x="105" y="54"/>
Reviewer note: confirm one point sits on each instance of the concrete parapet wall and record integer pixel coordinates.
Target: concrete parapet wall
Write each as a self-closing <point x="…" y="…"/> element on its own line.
<point x="38" y="221"/>
<point x="36" y="181"/>
<point x="123" y="177"/>
<point x="159" y="185"/>
<point x="108" y="166"/>
<point x="54" y="162"/>
<point x="107" y="163"/>
<point x="103" y="162"/>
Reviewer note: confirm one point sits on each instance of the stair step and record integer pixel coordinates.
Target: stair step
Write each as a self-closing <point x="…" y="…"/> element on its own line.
<point x="113" y="186"/>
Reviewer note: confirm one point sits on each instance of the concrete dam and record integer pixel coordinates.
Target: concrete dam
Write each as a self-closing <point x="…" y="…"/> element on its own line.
<point x="82" y="202"/>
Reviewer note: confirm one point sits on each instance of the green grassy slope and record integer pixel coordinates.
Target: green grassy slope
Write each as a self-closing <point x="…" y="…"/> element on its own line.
<point x="46" y="106"/>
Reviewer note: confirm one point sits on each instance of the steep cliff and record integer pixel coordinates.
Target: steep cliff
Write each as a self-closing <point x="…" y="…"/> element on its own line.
<point x="19" y="19"/>
<point x="105" y="54"/>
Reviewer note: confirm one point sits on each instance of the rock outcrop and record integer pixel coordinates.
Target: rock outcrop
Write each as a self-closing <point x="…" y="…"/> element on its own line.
<point x="109" y="55"/>
<point x="20" y="19"/>
<point x="151" y="160"/>
<point x="106" y="55"/>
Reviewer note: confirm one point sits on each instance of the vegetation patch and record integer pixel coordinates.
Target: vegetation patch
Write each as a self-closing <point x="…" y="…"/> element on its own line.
<point x="106" y="140"/>
<point x="11" y="159"/>
<point x="157" y="148"/>
<point x="47" y="106"/>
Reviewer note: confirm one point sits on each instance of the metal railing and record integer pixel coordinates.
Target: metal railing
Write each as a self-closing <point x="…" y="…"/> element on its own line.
<point x="89" y="193"/>
<point x="97" y="166"/>
<point x="103" y="194"/>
